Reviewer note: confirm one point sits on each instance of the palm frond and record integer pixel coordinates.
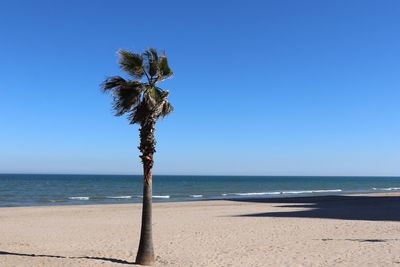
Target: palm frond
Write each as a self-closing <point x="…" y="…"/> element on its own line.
<point x="156" y="94"/>
<point x="113" y="82"/>
<point x="127" y="97"/>
<point x="139" y="113"/>
<point x="151" y="63"/>
<point x="161" y="106"/>
<point x="167" y="109"/>
<point x="154" y="54"/>
<point x="131" y="63"/>
<point x="165" y="70"/>
<point x="126" y="94"/>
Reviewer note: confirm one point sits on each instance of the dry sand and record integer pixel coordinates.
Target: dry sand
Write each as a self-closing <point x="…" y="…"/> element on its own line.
<point x="352" y="230"/>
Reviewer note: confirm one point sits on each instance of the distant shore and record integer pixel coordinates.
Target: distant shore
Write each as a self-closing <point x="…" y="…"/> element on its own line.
<point x="344" y="230"/>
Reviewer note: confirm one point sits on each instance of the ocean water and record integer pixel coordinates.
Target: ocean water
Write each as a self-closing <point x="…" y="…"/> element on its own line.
<point x="44" y="189"/>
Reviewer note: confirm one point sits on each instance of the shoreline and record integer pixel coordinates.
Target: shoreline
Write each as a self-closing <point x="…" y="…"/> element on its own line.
<point x="238" y="199"/>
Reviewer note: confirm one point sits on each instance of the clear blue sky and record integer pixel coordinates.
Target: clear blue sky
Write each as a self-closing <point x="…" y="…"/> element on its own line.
<point x="261" y="87"/>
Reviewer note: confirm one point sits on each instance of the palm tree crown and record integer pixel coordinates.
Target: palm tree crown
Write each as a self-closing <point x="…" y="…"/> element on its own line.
<point x="140" y="98"/>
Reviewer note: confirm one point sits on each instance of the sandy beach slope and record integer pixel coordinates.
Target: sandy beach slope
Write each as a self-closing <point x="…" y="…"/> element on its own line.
<point x="353" y="230"/>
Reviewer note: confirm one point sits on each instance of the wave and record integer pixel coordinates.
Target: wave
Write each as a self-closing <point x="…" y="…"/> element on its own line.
<point x="298" y="192"/>
<point x="161" y="196"/>
<point x="387" y="189"/>
<point x="257" y="194"/>
<point x="327" y="191"/>
<point x="312" y="191"/>
<point x="196" y="195"/>
<point x="79" y="198"/>
<point x="51" y="201"/>
<point x="283" y="192"/>
<point x="121" y="197"/>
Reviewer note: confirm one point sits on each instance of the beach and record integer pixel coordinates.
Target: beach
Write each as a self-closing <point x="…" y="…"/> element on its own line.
<point x="347" y="230"/>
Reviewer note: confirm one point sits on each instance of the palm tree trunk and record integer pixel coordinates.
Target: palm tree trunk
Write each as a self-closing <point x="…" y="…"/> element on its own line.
<point x="145" y="255"/>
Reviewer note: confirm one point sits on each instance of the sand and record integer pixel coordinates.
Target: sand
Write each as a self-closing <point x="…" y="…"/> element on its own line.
<point x="353" y="230"/>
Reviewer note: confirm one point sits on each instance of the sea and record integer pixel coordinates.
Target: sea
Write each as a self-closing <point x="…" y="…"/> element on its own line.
<point x="59" y="189"/>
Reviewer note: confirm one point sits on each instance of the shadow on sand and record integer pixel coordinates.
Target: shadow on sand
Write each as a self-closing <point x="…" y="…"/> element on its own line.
<point x="63" y="257"/>
<point x="368" y="208"/>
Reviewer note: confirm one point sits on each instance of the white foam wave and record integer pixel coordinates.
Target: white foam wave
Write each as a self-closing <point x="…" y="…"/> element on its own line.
<point x="389" y="188"/>
<point x="312" y="191"/>
<point x="196" y="195"/>
<point x="297" y="192"/>
<point x="161" y="196"/>
<point x="327" y="191"/>
<point x="121" y="197"/>
<point x="257" y="194"/>
<point x="79" y="198"/>
<point x="284" y="192"/>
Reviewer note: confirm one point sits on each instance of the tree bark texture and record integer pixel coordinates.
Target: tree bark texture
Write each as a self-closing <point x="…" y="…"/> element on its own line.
<point x="145" y="255"/>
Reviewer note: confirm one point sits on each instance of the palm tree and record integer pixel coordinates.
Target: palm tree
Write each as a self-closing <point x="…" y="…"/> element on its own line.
<point x="144" y="103"/>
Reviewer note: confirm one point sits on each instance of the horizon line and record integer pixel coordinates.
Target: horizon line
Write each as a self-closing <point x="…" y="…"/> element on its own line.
<point x="215" y="175"/>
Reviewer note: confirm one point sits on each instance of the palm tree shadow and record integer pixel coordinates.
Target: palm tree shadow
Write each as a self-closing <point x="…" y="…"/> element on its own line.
<point x="345" y="207"/>
<point x="108" y="259"/>
<point x="64" y="257"/>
